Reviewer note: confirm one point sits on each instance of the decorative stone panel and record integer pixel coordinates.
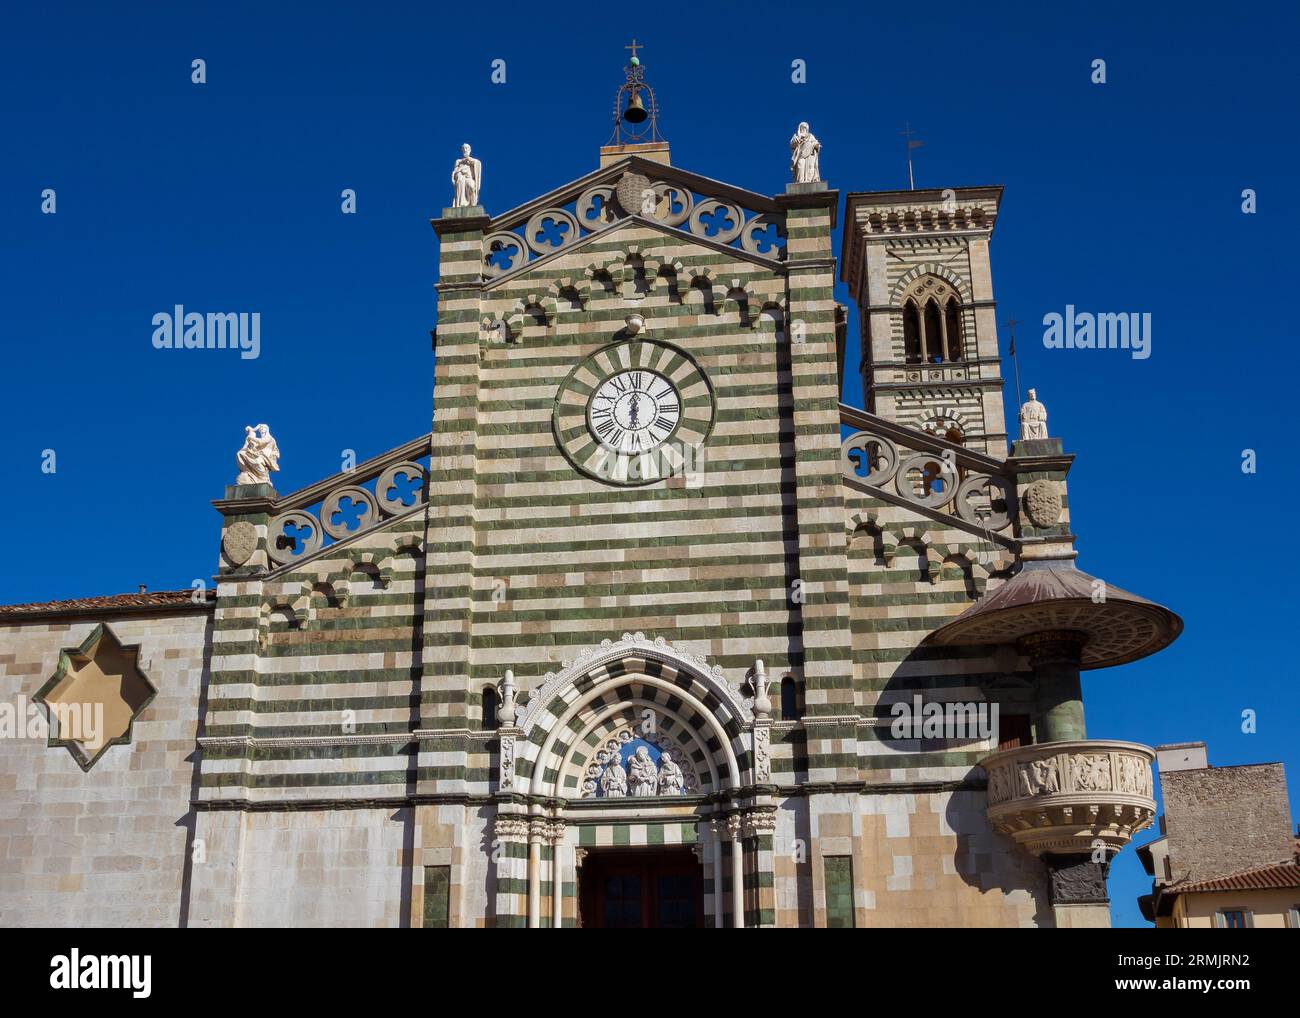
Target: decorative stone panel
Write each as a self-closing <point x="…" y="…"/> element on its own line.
<point x="1071" y="797"/>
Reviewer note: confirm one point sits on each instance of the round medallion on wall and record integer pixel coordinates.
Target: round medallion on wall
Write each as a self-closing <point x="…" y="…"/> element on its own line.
<point x="633" y="192"/>
<point x="239" y="542"/>
<point x="1043" y="504"/>
<point x="634" y="413"/>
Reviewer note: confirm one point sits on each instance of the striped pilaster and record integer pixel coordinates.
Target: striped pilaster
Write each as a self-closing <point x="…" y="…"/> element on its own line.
<point x="822" y="594"/>
<point x="510" y="851"/>
<point x="450" y="539"/>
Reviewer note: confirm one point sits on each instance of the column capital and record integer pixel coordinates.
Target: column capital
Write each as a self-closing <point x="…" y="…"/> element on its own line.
<point x="760" y="822"/>
<point x="510" y="828"/>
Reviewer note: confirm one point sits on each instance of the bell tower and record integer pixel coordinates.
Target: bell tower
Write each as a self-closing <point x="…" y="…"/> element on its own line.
<point x="636" y="118"/>
<point x="917" y="266"/>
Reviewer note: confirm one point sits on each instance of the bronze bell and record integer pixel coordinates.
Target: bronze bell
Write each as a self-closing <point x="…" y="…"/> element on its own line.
<point x="635" y="112"/>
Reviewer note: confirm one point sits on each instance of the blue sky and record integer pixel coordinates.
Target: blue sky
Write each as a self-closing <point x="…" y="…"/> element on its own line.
<point x="225" y="196"/>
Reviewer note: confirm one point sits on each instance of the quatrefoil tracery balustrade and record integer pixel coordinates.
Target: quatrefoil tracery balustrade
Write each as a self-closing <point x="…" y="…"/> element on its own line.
<point x="345" y="510"/>
<point x="598" y="207"/>
<point x="929" y="479"/>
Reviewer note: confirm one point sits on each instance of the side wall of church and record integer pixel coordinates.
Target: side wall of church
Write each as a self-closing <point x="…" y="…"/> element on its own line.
<point x="314" y="868"/>
<point x="109" y="846"/>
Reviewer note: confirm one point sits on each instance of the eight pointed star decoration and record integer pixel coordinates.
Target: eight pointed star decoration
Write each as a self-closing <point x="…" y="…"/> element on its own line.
<point x="95" y="695"/>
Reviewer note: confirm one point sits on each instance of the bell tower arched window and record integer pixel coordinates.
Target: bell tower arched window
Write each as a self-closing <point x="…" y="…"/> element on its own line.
<point x="932" y="322"/>
<point x="952" y="329"/>
<point x="912" y="333"/>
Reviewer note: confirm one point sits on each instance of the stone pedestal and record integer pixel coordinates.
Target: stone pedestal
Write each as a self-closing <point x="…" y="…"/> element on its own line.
<point x="1078" y="891"/>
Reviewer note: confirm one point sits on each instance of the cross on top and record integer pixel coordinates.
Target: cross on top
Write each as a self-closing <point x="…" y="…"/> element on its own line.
<point x="634" y="46"/>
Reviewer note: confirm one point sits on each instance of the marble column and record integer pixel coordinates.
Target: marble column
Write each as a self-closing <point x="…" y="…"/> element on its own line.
<point x="1055" y="657"/>
<point x="736" y="828"/>
<point x="536" y="833"/>
<point x="557" y="874"/>
<point x="719" y="911"/>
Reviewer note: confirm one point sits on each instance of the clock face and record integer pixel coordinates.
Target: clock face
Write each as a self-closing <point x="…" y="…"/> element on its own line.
<point x="634" y="411"/>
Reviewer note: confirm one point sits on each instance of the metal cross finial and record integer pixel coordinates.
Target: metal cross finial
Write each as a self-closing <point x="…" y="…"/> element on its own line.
<point x="634" y="46"/>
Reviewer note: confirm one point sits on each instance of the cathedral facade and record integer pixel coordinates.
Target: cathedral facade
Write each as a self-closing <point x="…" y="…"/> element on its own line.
<point x="651" y="629"/>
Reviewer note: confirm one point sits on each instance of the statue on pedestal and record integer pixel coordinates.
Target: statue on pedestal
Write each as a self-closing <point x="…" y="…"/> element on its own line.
<point x="1033" y="418"/>
<point x="805" y="155"/>
<point x="258" y="457"/>
<point x="466" y="179"/>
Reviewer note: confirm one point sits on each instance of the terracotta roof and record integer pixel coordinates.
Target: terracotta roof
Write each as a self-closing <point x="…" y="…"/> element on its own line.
<point x="113" y="603"/>
<point x="1282" y="874"/>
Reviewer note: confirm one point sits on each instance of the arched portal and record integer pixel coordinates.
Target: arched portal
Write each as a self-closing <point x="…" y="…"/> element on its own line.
<point x="634" y="692"/>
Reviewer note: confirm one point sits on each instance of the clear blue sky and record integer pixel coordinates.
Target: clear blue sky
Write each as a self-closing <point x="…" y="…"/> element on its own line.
<point x="225" y="196"/>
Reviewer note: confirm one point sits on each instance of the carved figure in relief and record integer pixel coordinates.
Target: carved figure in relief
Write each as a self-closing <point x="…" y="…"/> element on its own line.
<point x="671" y="781"/>
<point x="642" y="774"/>
<point x="614" y="781"/>
<point x="1041" y="777"/>
<point x="1091" y="773"/>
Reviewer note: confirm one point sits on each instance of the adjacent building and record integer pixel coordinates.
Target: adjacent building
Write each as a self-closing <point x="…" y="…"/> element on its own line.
<point x="1227" y="852"/>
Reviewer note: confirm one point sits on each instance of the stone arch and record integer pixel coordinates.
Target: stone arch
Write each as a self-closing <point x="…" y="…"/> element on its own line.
<point x="869" y="523"/>
<point x="908" y="280"/>
<point x="602" y="724"/>
<point x="649" y="671"/>
<point x="941" y="421"/>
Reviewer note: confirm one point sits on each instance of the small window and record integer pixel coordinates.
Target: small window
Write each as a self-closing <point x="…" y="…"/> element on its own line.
<point x="1014" y="731"/>
<point x="934" y="332"/>
<point x="911" y="333"/>
<point x="789" y="699"/>
<point x="488" y="722"/>
<point x="1234" y="919"/>
<point x="952" y="322"/>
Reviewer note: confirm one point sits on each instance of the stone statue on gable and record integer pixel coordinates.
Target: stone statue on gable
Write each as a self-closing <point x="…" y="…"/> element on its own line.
<point x="466" y="179"/>
<point x="1033" y="418"/>
<point x="805" y="155"/>
<point x="258" y="457"/>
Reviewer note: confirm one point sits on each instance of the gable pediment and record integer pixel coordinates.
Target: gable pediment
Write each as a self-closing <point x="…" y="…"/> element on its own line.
<point x="725" y="219"/>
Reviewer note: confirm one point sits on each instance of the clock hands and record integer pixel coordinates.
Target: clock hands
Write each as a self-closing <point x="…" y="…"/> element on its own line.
<point x="621" y="421"/>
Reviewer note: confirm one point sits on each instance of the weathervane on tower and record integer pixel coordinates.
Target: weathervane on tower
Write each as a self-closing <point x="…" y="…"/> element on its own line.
<point x="635" y="121"/>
